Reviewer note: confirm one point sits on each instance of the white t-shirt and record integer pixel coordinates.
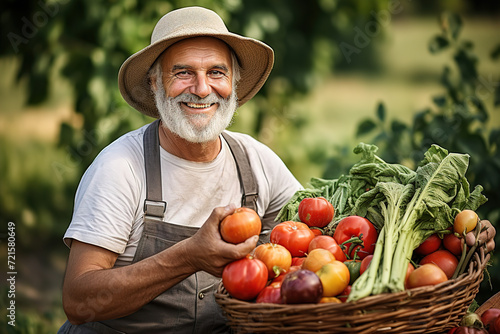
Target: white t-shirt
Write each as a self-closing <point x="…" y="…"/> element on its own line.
<point x="109" y="201"/>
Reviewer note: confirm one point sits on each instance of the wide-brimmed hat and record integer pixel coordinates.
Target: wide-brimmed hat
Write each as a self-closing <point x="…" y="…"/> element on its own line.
<point x="255" y="58"/>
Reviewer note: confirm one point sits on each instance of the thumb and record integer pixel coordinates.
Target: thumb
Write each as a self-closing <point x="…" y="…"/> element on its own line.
<point x="248" y="245"/>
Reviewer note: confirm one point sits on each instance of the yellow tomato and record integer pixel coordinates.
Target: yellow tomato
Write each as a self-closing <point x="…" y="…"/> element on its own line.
<point x="317" y="258"/>
<point x="335" y="278"/>
<point x="465" y="221"/>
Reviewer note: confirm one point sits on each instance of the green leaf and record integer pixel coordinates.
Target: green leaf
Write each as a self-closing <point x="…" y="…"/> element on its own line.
<point x="451" y="23"/>
<point x="365" y="127"/>
<point x="381" y="111"/>
<point x="495" y="54"/>
<point x="439" y="101"/>
<point x="438" y="43"/>
<point x="496" y="103"/>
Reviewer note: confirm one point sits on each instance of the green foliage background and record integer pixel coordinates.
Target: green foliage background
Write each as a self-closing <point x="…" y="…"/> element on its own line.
<point x="76" y="47"/>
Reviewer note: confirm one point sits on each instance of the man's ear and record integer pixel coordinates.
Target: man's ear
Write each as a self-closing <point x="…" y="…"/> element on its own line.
<point x="152" y="82"/>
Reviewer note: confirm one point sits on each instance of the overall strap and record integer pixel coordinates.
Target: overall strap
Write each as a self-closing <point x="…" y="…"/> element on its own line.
<point x="245" y="173"/>
<point x="154" y="206"/>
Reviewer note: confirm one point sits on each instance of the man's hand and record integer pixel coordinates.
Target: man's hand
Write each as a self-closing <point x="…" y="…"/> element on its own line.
<point x="208" y="252"/>
<point x="487" y="236"/>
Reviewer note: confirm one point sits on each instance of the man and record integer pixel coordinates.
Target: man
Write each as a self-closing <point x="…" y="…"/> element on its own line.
<point x="146" y="254"/>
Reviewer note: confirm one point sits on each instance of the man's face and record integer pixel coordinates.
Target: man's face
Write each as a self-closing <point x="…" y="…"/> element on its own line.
<point x="198" y="101"/>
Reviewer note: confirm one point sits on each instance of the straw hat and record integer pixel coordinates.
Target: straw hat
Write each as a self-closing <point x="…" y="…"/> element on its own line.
<point x="255" y="58"/>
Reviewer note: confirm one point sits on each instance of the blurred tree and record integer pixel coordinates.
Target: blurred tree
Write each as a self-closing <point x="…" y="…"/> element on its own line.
<point x="86" y="42"/>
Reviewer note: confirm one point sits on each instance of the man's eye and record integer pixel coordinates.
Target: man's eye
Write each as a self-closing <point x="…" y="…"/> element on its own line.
<point x="217" y="74"/>
<point x="183" y="74"/>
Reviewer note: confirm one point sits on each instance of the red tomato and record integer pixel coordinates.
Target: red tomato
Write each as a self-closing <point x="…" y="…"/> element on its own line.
<point x="343" y="296"/>
<point x="355" y="226"/>
<point x="281" y="277"/>
<point x="365" y="263"/>
<point x="444" y="260"/>
<point x="496" y="324"/>
<point x="240" y="225"/>
<point x="453" y="243"/>
<point x="327" y="242"/>
<point x="294" y="236"/>
<point x="427" y="274"/>
<point x="430" y="245"/>
<point x="316" y="211"/>
<point x="276" y="258"/>
<point x="488" y="319"/>
<point x="270" y="294"/>
<point x="245" y="278"/>
<point x="297" y="261"/>
<point x="317" y="231"/>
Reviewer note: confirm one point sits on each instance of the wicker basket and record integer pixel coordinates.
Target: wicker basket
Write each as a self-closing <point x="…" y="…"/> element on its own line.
<point x="432" y="309"/>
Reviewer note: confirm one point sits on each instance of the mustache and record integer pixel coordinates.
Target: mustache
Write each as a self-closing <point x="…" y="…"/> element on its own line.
<point x="192" y="98"/>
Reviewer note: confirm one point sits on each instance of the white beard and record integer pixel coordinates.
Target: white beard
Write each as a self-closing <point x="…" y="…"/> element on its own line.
<point x="194" y="128"/>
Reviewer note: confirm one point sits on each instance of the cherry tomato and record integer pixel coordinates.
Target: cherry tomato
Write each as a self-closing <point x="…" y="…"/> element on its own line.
<point x="240" y="225"/>
<point x="317" y="258"/>
<point x="245" y="278"/>
<point x="333" y="300"/>
<point x="427" y="274"/>
<point x="316" y="211"/>
<point x="294" y="236"/>
<point x="365" y="263"/>
<point x="465" y="221"/>
<point x="453" y="243"/>
<point x="344" y="294"/>
<point x="488" y="319"/>
<point x="335" y="278"/>
<point x="355" y="226"/>
<point x="270" y="294"/>
<point x="327" y="242"/>
<point x="276" y="258"/>
<point x="444" y="260"/>
<point x="430" y="245"/>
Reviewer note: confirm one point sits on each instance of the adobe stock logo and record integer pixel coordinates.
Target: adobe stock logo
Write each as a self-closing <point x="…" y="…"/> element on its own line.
<point x="31" y="26"/>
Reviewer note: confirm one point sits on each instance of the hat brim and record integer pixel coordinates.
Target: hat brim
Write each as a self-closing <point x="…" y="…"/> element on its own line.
<point x="255" y="58"/>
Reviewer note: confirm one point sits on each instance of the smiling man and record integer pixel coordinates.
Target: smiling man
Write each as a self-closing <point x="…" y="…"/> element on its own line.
<point x="146" y="254"/>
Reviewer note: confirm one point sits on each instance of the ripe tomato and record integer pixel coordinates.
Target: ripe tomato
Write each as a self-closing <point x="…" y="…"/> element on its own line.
<point x="297" y="261"/>
<point x="453" y="243"/>
<point x="444" y="260"/>
<point x="496" y="324"/>
<point x="365" y="263"/>
<point x="327" y="242"/>
<point x="465" y="221"/>
<point x="245" y="278"/>
<point x="427" y="274"/>
<point x="281" y="277"/>
<point x="345" y="294"/>
<point x="410" y="269"/>
<point x="270" y="294"/>
<point x="240" y="225"/>
<point x="317" y="258"/>
<point x="294" y="236"/>
<point x="276" y="258"/>
<point x="333" y="300"/>
<point x="355" y="226"/>
<point x="316" y="211"/>
<point x="488" y="319"/>
<point x="430" y="245"/>
<point x="335" y="278"/>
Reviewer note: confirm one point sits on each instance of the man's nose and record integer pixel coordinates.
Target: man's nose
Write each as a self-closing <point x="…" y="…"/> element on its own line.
<point x="201" y="86"/>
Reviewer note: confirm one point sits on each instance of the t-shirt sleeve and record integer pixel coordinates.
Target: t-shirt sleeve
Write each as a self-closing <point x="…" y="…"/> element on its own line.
<point x="105" y="203"/>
